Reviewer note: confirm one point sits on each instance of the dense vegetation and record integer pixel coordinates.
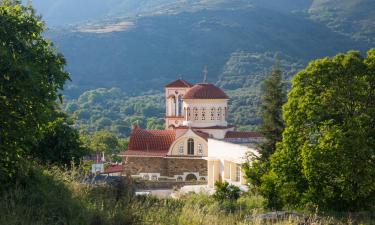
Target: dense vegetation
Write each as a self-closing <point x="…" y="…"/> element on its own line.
<point x="32" y="73"/>
<point x="113" y="110"/>
<point x="326" y="156"/>
<point x="353" y="18"/>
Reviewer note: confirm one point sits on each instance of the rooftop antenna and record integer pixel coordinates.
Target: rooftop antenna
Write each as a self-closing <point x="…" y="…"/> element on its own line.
<point x="205" y="72"/>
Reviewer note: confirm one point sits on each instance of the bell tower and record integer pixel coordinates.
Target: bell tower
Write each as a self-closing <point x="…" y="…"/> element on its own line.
<point x="174" y="111"/>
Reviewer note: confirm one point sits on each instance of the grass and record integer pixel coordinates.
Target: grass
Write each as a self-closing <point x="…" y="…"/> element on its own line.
<point x="54" y="196"/>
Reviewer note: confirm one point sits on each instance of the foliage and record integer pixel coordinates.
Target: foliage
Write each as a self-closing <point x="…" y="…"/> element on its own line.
<point x="32" y="73"/>
<point x="326" y="156"/>
<point x="224" y="191"/>
<point x="105" y="142"/>
<point x="60" y="144"/>
<point x="350" y="17"/>
<point x="273" y="98"/>
<point x="113" y="110"/>
<point x="56" y="196"/>
<point x="254" y="170"/>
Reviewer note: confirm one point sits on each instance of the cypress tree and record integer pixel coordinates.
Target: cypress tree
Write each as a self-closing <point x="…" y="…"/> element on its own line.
<point x="273" y="98"/>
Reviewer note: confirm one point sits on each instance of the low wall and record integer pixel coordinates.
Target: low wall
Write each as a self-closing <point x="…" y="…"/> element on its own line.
<point x="167" y="167"/>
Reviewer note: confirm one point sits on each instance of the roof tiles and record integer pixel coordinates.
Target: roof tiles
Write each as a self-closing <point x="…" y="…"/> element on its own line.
<point x="205" y="91"/>
<point x="179" y="83"/>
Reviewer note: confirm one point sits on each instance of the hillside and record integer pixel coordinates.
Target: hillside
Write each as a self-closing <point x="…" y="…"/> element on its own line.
<point x="140" y="46"/>
<point x="354" y="18"/>
<point x="159" y="48"/>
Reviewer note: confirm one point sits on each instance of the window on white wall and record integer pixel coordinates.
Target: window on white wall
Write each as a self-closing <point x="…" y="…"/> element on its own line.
<point x="212" y="113"/>
<point x="200" y="149"/>
<point x="190" y="146"/>
<point x="219" y="113"/>
<point x="196" y="116"/>
<point x="181" y="150"/>
<point x="188" y="113"/>
<point x="203" y="114"/>
<point x="179" y="112"/>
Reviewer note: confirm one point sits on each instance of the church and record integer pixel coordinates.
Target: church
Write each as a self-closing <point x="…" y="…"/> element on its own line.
<point x="195" y="115"/>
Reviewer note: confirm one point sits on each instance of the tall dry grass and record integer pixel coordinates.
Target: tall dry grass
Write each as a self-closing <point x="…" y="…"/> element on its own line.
<point x="55" y="196"/>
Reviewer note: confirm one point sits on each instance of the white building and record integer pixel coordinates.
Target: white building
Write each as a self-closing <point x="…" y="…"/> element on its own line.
<point x="225" y="159"/>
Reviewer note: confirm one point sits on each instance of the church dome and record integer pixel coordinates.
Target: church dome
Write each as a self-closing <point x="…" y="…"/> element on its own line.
<point x="205" y="91"/>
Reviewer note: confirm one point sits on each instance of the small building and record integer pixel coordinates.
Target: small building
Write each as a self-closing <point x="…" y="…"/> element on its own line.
<point x="226" y="156"/>
<point x="114" y="170"/>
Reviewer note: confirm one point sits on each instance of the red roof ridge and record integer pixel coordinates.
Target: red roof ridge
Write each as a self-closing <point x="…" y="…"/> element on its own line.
<point x="243" y="134"/>
<point x="205" y="91"/>
<point x="179" y="83"/>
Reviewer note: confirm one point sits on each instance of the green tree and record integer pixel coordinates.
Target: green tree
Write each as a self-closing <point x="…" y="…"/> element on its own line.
<point x="327" y="155"/>
<point x="31" y="74"/>
<point x="107" y="142"/>
<point x="224" y="191"/>
<point x="273" y="98"/>
<point x="60" y="144"/>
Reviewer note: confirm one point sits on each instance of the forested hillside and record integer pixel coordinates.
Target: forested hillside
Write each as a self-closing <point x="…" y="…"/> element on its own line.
<point x="354" y="18"/>
<point x="140" y="46"/>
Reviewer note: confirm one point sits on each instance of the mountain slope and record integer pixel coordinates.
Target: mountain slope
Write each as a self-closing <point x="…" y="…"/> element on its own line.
<point x="354" y="18"/>
<point x="158" y="48"/>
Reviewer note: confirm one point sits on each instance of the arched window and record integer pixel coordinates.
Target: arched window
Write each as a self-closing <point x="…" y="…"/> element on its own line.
<point x="188" y="113"/>
<point x="174" y="106"/>
<point x="190" y="146"/>
<point x="203" y="114"/>
<point x="212" y="113"/>
<point x="179" y="178"/>
<point x="219" y="113"/>
<point x="196" y="116"/>
<point x="179" y="112"/>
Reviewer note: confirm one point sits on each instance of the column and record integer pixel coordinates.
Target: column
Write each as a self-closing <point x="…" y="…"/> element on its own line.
<point x="233" y="167"/>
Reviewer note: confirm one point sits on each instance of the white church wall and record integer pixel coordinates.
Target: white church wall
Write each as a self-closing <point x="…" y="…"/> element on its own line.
<point x="200" y="145"/>
<point x="207" y="104"/>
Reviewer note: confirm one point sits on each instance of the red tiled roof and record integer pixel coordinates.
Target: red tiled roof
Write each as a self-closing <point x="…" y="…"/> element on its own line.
<point x="114" y="169"/>
<point x="201" y="134"/>
<point x="205" y="91"/>
<point x="243" y="134"/>
<point x="150" y="141"/>
<point x="179" y="83"/>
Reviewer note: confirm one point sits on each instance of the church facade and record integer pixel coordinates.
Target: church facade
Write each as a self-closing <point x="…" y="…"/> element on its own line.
<point x="194" y="114"/>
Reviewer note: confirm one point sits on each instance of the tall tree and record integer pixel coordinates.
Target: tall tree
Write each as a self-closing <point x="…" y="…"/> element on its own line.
<point x="60" y="144"/>
<point x="273" y="98"/>
<point x="31" y="74"/>
<point x="327" y="155"/>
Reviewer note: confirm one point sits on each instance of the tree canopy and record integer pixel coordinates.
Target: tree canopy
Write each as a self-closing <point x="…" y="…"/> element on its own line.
<point x="327" y="156"/>
<point x="31" y="75"/>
